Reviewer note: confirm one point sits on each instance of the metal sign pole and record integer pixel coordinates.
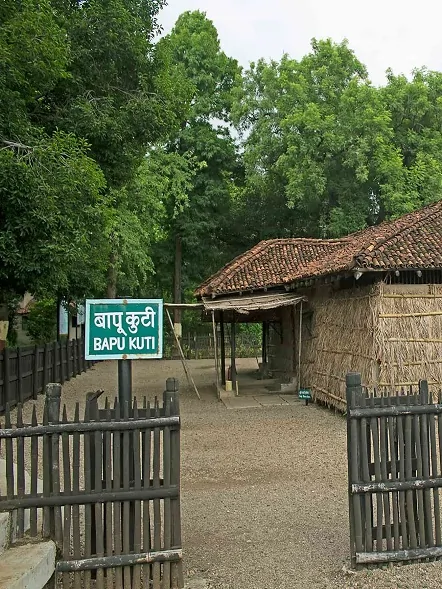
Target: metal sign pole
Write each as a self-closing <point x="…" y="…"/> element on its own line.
<point x="125" y="383"/>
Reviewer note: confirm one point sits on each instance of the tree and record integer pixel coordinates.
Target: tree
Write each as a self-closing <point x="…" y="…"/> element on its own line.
<point x="318" y="137"/>
<point x="50" y="188"/>
<point x="79" y="110"/>
<point x="415" y="108"/>
<point x="123" y="95"/>
<point x="195" y="231"/>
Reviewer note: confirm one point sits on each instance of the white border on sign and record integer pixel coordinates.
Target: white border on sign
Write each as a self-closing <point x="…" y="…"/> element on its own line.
<point x="92" y="302"/>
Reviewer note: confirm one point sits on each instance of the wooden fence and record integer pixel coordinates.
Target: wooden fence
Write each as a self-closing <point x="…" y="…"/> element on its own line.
<point x="110" y="497"/>
<point x="394" y="474"/>
<point x="25" y="372"/>
<point x="200" y="346"/>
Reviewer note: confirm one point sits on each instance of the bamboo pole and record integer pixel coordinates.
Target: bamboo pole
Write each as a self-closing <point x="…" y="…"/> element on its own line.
<point x="411" y="296"/>
<point x="400" y="315"/>
<point x="215" y="347"/>
<point x="183" y="359"/>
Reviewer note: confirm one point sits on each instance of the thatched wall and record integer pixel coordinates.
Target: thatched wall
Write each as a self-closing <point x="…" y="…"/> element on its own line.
<point x="338" y="339"/>
<point x="409" y="335"/>
<point x="390" y="333"/>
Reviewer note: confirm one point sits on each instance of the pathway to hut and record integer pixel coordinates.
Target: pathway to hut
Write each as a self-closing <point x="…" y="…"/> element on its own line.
<point x="264" y="488"/>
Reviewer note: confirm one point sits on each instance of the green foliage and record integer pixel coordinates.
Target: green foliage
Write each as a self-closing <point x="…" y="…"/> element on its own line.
<point x="41" y="321"/>
<point x="327" y="153"/>
<point x="201" y="219"/>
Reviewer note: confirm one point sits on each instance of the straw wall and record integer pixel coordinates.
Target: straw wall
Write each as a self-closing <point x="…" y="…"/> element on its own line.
<point x="390" y="333"/>
<point x="409" y="335"/>
<point x="337" y="339"/>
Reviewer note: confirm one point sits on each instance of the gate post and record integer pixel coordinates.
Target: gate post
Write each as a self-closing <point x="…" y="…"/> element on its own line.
<point x="50" y="460"/>
<point x="353" y="391"/>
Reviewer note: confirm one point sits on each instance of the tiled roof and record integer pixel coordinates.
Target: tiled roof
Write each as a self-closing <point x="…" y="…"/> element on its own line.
<point x="412" y="241"/>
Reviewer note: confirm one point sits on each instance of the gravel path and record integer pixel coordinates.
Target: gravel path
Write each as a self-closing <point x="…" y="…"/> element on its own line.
<point x="263" y="490"/>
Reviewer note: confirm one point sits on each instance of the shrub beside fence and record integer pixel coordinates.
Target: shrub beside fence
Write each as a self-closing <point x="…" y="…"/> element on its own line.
<point x="24" y="372"/>
<point x="201" y="346"/>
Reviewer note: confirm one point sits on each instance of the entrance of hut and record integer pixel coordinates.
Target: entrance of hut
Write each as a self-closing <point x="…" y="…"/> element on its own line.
<point x="278" y="368"/>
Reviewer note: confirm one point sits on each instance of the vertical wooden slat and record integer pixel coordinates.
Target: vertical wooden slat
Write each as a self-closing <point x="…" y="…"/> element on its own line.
<point x="365" y="470"/>
<point x="79" y="360"/>
<point x="434" y="473"/>
<point x="166" y="479"/>
<point x="377" y="474"/>
<point x="107" y="463"/>
<point x="400" y="424"/>
<point x="55" y="362"/>
<point x="20" y="473"/>
<point x="55" y="442"/>
<point x="34" y="474"/>
<point x="99" y="532"/>
<point x="126" y="468"/>
<point x="383" y="433"/>
<point x="175" y="473"/>
<point x="35" y="367"/>
<point x="62" y="370"/>
<point x="425" y="446"/>
<point x="147" y="571"/>
<point x="88" y="489"/>
<point x="7" y="376"/>
<point x="47" y="466"/>
<point x="392" y="432"/>
<point x="419" y="495"/>
<point x="156" y="568"/>
<point x="137" y="504"/>
<point x="68" y="359"/>
<point x="67" y="489"/>
<point x="20" y="398"/>
<point x="408" y="475"/>
<point x="117" y="486"/>
<point x="76" y="489"/>
<point x="74" y="358"/>
<point x="46" y="365"/>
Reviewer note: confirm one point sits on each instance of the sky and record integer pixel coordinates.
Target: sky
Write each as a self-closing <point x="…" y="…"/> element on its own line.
<point x="400" y="34"/>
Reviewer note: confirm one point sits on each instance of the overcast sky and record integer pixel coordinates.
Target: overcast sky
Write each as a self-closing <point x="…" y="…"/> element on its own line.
<point x="401" y="34"/>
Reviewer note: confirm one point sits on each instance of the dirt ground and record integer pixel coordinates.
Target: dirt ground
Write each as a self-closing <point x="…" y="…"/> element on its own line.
<point x="264" y="501"/>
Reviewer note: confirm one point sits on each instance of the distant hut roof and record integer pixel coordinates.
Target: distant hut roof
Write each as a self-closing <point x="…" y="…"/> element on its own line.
<point x="411" y="241"/>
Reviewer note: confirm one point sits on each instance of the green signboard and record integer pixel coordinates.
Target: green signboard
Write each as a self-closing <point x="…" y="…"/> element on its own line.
<point x="305" y="394"/>
<point x="124" y="329"/>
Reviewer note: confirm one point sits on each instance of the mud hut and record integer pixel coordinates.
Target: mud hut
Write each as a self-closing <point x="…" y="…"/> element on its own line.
<point x="370" y="302"/>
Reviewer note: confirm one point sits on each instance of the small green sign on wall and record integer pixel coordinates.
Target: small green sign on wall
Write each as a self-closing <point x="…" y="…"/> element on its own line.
<point x="124" y="329"/>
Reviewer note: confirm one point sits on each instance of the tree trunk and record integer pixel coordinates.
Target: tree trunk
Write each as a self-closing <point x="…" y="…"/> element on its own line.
<point x="177" y="284"/>
<point x="112" y="276"/>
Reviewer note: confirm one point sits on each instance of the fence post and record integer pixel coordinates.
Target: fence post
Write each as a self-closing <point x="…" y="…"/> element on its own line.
<point x="51" y="467"/>
<point x="171" y="398"/>
<point x="353" y="391"/>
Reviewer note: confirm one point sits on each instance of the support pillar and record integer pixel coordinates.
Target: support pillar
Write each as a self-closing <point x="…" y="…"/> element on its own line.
<point x="223" y="348"/>
<point x="233" y="355"/>
<point x="265" y="332"/>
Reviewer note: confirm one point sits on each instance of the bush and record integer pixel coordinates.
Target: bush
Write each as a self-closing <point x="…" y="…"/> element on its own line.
<point x="41" y="321"/>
